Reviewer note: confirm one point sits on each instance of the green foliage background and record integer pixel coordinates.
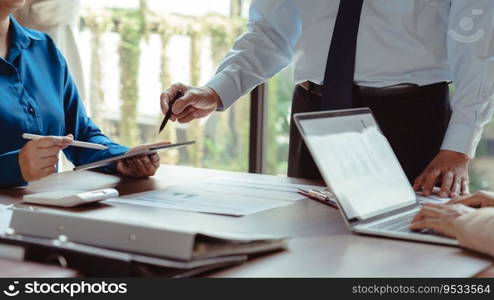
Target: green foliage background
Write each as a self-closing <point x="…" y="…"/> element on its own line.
<point x="222" y="141"/>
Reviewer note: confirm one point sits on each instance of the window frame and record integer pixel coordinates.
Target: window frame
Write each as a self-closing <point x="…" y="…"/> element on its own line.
<point x="257" y="131"/>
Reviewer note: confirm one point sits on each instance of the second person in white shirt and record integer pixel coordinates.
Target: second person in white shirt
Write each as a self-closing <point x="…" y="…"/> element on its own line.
<point x="407" y="52"/>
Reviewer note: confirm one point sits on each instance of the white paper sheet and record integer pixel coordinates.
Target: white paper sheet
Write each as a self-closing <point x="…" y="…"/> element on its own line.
<point x="255" y="188"/>
<point x="219" y="196"/>
<point x="5" y="217"/>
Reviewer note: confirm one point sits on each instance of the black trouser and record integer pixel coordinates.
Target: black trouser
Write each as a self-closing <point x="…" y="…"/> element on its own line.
<point x="414" y="124"/>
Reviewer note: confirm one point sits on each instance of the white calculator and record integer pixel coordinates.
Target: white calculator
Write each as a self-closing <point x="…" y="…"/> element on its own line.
<point x="70" y="198"/>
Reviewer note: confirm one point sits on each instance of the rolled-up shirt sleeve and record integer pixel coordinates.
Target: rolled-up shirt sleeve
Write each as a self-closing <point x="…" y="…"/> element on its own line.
<point x="471" y="54"/>
<point x="261" y="52"/>
<point x="476" y="230"/>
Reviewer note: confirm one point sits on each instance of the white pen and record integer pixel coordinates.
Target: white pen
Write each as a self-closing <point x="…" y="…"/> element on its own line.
<point x="29" y="136"/>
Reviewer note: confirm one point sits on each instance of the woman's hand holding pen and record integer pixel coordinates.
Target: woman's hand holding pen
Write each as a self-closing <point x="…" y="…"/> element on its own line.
<point x="38" y="158"/>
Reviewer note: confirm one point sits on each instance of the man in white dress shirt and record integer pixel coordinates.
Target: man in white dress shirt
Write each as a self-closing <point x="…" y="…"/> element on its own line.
<point x="394" y="56"/>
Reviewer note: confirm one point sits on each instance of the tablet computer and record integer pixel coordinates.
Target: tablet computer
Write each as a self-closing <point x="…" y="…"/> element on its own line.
<point x="152" y="149"/>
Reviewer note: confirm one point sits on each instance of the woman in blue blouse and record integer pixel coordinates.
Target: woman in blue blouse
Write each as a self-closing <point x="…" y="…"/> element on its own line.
<point x="37" y="95"/>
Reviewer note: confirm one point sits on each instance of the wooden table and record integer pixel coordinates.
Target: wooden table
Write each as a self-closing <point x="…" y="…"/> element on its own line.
<point x="15" y="269"/>
<point x="320" y="244"/>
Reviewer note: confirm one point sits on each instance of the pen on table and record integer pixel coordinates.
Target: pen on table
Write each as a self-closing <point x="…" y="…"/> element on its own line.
<point x="169" y="112"/>
<point x="318" y="196"/>
<point x="29" y="136"/>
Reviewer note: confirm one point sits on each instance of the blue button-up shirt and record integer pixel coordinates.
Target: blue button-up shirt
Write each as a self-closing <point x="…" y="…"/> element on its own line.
<point x="38" y="95"/>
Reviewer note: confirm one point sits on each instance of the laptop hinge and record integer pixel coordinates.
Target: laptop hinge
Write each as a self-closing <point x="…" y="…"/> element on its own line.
<point x="386" y="214"/>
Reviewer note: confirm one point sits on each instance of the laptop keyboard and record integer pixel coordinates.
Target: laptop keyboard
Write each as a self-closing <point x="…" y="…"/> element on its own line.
<point x="400" y="223"/>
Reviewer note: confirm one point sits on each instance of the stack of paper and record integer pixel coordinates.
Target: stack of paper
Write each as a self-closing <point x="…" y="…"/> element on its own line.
<point x="220" y="196"/>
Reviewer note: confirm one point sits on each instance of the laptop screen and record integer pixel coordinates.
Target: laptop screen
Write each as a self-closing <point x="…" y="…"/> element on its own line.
<point x="356" y="162"/>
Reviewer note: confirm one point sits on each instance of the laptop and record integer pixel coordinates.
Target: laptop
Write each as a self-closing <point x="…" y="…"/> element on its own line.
<point x="359" y="166"/>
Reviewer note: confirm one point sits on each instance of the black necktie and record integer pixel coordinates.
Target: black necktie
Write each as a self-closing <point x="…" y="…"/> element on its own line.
<point x="340" y="68"/>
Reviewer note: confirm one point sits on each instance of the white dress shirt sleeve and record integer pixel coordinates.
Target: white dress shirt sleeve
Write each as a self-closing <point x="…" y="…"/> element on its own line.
<point x="470" y="43"/>
<point x="261" y="52"/>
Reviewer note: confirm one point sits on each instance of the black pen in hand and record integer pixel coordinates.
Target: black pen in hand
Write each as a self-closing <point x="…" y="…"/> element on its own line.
<point x="169" y="112"/>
